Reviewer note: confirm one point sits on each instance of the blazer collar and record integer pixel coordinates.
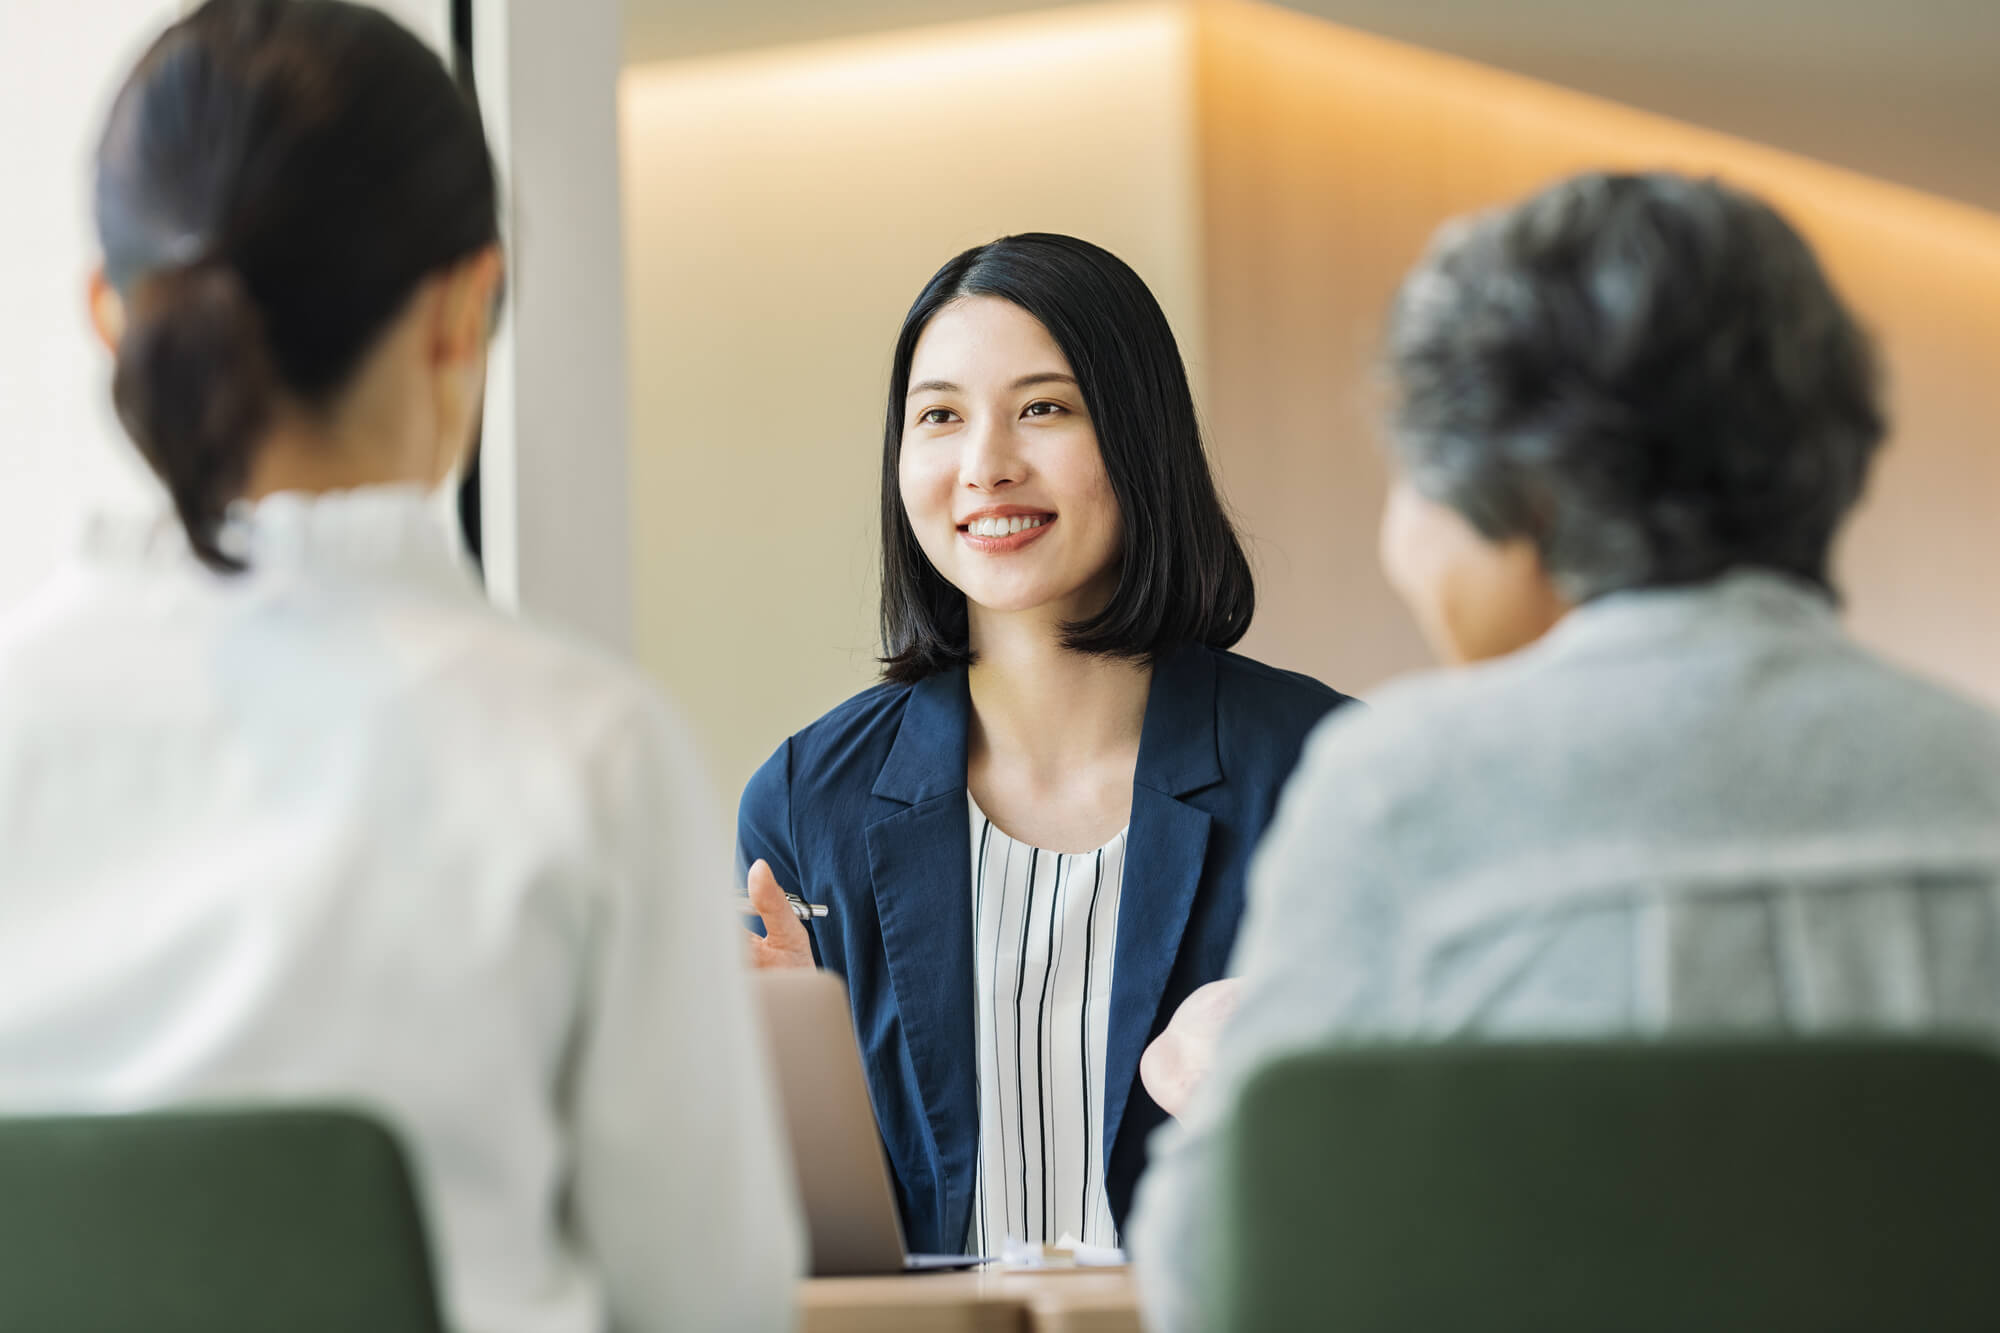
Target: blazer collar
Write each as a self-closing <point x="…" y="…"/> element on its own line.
<point x="920" y="864"/>
<point x="1177" y="745"/>
<point x="1165" y="857"/>
<point x="928" y="757"/>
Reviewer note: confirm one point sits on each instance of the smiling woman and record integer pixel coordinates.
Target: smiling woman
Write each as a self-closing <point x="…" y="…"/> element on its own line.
<point x="1060" y="720"/>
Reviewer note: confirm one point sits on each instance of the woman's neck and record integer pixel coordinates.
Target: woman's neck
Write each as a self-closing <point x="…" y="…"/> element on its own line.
<point x="299" y="452"/>
<point x="1054" y="734"/>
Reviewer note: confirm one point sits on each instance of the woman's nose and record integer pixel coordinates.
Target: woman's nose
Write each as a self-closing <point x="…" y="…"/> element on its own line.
<point x="990" y="460"/>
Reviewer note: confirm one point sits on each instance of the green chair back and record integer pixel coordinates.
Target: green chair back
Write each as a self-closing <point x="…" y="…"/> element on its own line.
<point x="292" y="1221"/>
<point x="1780" y="1187"/>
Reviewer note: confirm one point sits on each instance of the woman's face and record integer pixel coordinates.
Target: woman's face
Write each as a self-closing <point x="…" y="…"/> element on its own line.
<point x="1000" y="471"/>
<point x="1473" y="598"/>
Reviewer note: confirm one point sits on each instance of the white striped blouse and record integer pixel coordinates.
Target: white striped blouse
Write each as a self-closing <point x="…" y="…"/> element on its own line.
<point x="1046" y="924"/>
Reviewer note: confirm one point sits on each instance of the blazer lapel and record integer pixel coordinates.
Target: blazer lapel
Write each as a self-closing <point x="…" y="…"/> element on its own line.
<point x="1165" y="853"/>
<point x="920" y="860"/>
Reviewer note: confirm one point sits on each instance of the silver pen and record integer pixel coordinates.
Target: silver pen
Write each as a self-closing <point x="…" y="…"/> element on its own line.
<point x="801" y="909"/>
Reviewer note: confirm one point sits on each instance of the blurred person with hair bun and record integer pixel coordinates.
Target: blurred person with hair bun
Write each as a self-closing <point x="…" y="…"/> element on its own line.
<point x="287" y="811"/>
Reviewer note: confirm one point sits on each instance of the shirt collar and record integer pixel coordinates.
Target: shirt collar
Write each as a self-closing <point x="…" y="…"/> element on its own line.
<point x="1748" y="597"/>
<point x="398" y="534"/>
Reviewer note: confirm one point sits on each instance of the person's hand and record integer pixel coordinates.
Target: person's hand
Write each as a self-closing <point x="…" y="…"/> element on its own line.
<point x="785" y="942"/>
<point x="1179" y="1059"/>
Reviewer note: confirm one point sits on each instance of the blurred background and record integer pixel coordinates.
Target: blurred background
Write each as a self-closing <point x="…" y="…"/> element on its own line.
<point x="721" y="210"/>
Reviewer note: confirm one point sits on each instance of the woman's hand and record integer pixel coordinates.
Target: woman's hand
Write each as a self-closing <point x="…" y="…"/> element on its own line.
<point x="785" y="942"/>
<point x="1179" y="1059"/>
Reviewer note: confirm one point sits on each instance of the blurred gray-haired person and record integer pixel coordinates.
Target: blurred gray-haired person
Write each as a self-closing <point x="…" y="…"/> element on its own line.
<point x="1630" y="417"/>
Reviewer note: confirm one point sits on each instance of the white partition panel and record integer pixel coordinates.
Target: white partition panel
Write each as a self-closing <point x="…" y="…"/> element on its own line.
<point x="62" y="454"/>
<point x="553" y="474"/>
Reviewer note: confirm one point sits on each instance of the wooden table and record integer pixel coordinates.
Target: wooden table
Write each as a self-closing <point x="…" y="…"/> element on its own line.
<point x="981" y="1301"/>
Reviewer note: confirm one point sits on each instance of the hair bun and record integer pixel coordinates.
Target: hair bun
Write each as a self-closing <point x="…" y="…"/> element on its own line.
<point x="321" y="163"/>
<point x="193" y="387"/>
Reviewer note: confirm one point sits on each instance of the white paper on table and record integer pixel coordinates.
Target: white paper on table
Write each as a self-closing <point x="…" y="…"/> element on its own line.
<point x="1069" y="1252"/>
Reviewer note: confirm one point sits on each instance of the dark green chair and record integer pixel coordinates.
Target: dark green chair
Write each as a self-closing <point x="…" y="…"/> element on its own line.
<point x="1774" y="1187"/>
<point x="294" y="1221"/>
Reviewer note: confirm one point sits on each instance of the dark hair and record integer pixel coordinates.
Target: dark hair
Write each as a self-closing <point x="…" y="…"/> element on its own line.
<point x="1646" y="375"/>
<point x="275" y="179"/>
<point x="1182" y="573"/>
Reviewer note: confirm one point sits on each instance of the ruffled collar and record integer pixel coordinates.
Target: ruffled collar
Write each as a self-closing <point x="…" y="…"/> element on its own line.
<point x="399" y="534"/>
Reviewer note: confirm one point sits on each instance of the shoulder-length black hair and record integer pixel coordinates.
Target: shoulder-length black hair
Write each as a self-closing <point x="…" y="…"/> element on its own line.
<point x="1183" y="577"/>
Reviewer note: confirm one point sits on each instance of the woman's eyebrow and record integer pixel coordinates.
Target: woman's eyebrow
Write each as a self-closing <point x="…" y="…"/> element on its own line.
<point x="1025" y="382"/>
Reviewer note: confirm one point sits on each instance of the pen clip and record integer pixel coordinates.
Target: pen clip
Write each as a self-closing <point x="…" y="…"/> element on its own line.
<point x="804" y="910"/>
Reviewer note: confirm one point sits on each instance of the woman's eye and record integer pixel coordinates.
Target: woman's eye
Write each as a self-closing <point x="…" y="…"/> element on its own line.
<point x="1043" y="409"/>
<point x="936" y="416"/>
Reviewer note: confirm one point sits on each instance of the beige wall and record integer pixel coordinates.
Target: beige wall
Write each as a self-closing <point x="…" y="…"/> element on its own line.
<point x="782" y="211"/>
<point x="1328" y="158"/>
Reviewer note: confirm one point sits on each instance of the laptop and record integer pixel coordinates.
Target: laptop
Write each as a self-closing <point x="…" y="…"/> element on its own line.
<point x="843" y="1175"/>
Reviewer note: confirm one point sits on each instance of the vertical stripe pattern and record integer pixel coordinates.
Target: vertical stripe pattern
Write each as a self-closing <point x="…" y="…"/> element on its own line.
<point x="1047" y="926"/>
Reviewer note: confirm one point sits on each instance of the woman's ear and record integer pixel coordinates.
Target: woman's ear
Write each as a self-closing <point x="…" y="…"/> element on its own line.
<point x="465" y="308"/>
<point x="459" y="323"/>
<point x="1473" y="598"/>
<point x="107" y="311"/>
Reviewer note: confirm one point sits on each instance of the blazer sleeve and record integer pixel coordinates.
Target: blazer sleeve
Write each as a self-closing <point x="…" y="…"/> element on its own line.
<point x="764" y="821"/>
<point x="764" y="832"/>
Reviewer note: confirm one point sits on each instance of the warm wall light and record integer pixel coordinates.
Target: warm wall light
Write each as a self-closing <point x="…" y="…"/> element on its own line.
<point x="1428" y="102"/>
<point x="1329" y="156"/>
<point x="967" y="55"/>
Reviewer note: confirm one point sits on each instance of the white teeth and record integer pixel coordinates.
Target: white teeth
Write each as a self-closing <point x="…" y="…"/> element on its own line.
<point x="1002" y="527"/>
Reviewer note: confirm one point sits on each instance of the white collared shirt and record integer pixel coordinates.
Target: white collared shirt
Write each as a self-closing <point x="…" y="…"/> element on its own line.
<point x="335" y="829"/>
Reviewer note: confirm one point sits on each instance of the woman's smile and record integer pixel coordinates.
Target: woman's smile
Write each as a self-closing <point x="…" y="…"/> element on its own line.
<point x="1004" y="530"/>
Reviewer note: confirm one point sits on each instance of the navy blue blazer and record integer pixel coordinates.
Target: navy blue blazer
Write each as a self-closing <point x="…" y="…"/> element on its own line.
<point x="865" y="811"/>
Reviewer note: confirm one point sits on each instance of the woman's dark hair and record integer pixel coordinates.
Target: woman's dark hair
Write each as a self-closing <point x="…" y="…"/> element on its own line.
<point x="1648" y="376"/>
<point x="1182" y="575"/>
<point x="276" y="178"/>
